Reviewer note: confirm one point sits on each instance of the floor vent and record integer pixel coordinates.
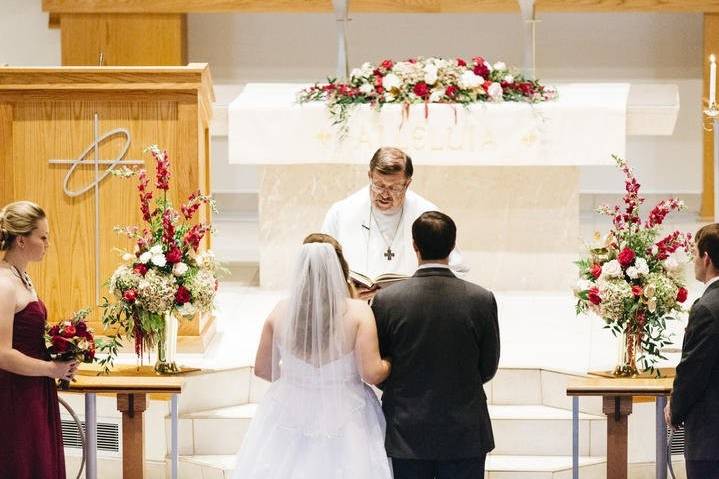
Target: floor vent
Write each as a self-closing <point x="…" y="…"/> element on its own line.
<point x="108" y="436"/>
<point x="677" y="445"/>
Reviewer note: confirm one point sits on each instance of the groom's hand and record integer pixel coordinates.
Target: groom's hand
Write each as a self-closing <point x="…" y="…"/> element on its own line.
<point x="367" y="294"/>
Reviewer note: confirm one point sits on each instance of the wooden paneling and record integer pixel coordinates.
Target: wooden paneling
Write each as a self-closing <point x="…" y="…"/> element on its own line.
<point x="711" y="45"/>
<point x="385" y="6"/>
<point x="124" y="39"/>
<point x="38" y="124"/>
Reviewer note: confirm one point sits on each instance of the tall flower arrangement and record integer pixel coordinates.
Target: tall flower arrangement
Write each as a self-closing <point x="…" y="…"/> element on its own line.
<point x="633" y="278"/>
<point x="425" y="80"/>
<point x="166" y="272"/>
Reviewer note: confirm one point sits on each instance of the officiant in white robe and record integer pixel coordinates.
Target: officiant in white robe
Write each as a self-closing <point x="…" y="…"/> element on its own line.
<point x="374" y="224"/>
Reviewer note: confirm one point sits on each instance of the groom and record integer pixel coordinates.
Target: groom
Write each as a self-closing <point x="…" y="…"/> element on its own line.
<point x="442" y="334"/>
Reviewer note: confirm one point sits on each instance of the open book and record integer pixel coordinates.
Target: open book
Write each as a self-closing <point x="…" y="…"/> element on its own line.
<point x="365" y="282"/>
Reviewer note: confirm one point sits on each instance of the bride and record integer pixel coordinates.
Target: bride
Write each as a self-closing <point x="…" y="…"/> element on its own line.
<point x="318" y="420"/>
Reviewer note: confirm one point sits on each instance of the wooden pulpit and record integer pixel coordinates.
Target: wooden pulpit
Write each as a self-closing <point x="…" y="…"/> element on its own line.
<point x="62" y="129"/>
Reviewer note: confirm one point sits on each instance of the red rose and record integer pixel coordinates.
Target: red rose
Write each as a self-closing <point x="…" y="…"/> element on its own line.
<point x="595" y="270"/>
<point x="387" y="64"/>
<point x="461" y="62"/>
<point x="60" y="344"/>
<point x="69" y="331"/>
<point x="174" y="255"/>
<point x="626" y="257"/>
<point x="130" y="295"/>
<point x="451" y="91"/>
<point x="182" y="295"/>
<point x="421" y="89"/>
<point x="81" y="327"/>
<point x="682" y="295"/>
<point x="637" y="290"/>
<point x="593" y="296"/>
<point x="140" y="269"/>
<point x="54" y="331"/>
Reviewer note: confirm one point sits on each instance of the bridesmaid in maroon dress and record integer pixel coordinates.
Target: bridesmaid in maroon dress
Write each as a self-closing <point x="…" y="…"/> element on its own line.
<point x="31" y="446"/>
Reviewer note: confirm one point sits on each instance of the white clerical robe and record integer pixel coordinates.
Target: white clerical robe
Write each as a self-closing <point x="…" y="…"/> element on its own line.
<point x="350" y="221"/>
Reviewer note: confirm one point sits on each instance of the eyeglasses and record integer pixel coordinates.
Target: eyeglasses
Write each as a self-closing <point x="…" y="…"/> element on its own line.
<point x="392" y="190"/>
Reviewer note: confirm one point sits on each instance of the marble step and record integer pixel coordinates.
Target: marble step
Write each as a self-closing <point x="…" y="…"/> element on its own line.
<point x="533" y="430"/>
<point x="497" y="467"/>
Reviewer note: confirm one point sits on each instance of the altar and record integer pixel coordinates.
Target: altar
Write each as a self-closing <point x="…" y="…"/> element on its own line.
<point x="506" y="172"/>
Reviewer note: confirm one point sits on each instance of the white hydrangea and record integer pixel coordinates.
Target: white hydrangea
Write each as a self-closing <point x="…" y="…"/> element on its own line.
<point x="508" y="78"/>
<point x="500" y="66"/>
<point x="642" y="267"/>
<point x="632" y="272"/>
<point x="159" y="260"/>
<point x="145" y="257"/>
<point x="155" y="250"/>
<point x="366" y="88"/>
<point x="436" y="94"/>
<point x="430" y="74"/>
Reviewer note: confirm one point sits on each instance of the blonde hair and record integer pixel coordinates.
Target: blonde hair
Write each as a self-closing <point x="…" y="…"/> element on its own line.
<point x="18" y="219"/>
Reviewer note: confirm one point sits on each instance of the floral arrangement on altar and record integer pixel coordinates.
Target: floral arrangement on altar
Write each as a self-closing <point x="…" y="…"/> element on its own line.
<point x="166" y="276"/>
<point x="71" y="339"/>
<point x="633" y="280"/>
<point x="426" y="80"/>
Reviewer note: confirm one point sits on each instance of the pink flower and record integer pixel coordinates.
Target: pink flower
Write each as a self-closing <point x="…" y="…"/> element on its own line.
<point x="387" y="64"/>
<point x="174" y="255"/>
<point x="140" y="269"/>
<point x="626" y="257"/>
<point x="637" y="291"/>
<point x="595" y="270"/>
<point x="130" y="295"/>
<point x="682" y="295"/>
<point x="421" y="89"/>
<point x="182" y="295"/>
<point x="461" y="62"/>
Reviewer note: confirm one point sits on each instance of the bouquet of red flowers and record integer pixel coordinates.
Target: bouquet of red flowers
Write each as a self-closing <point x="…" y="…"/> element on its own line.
<point x="71" y="340"/>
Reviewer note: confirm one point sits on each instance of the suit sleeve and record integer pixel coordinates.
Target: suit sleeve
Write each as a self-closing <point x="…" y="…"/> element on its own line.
<point x="380" y="318"/>
<point x="699" y="355"/>
<point x="489" y="343"/>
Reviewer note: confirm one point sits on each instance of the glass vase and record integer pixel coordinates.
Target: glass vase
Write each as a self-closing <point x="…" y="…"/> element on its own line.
<point x="167" y="346"/>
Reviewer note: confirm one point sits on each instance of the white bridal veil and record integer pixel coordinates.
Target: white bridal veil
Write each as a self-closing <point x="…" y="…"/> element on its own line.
<point x="313" y="343"/>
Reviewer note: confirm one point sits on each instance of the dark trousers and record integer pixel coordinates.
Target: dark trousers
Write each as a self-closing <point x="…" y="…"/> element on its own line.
<point x="471" y="468"/>
<point x="702" y="469"/>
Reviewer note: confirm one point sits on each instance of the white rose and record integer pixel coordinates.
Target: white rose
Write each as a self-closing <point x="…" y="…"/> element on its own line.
<point x="391" y="81"/>
<point x="366" y="69"/>
<point x="681" y="256"/>
<point x="500" y="66"/>
<point x="356" y="73"/>
<point x="155" y="250"/>
<point x="582" y="285"/>
<point x="469" y="80"/>
<point x="436" y="95"/>
<point x="655" y="250"/>
<point x="632" y="272"/>
<point x="430" y="74"/>
<point x="366" y="88"/>
<point x="495" y="91"/>
<point x="145" y="257"/>
<point x="127" y="257"/>
<point x="642" y="267"/>
<point x="179" y="269"/>
<point x="187" y="309"/>
<point x="159" y="260"/>
<point x="611" y="269"/>
<point x="508" y="78"/>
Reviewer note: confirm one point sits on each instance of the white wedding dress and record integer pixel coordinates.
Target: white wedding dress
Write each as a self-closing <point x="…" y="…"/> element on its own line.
<point x="318" y="420"/>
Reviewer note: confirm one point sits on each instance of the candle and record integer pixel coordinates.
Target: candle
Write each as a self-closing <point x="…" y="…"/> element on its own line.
<point x="712" y="80"/>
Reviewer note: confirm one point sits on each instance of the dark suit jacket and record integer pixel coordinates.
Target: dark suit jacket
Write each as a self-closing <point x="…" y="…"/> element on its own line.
<point x="442" y="334"/>
<point x="695" y="396"/>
